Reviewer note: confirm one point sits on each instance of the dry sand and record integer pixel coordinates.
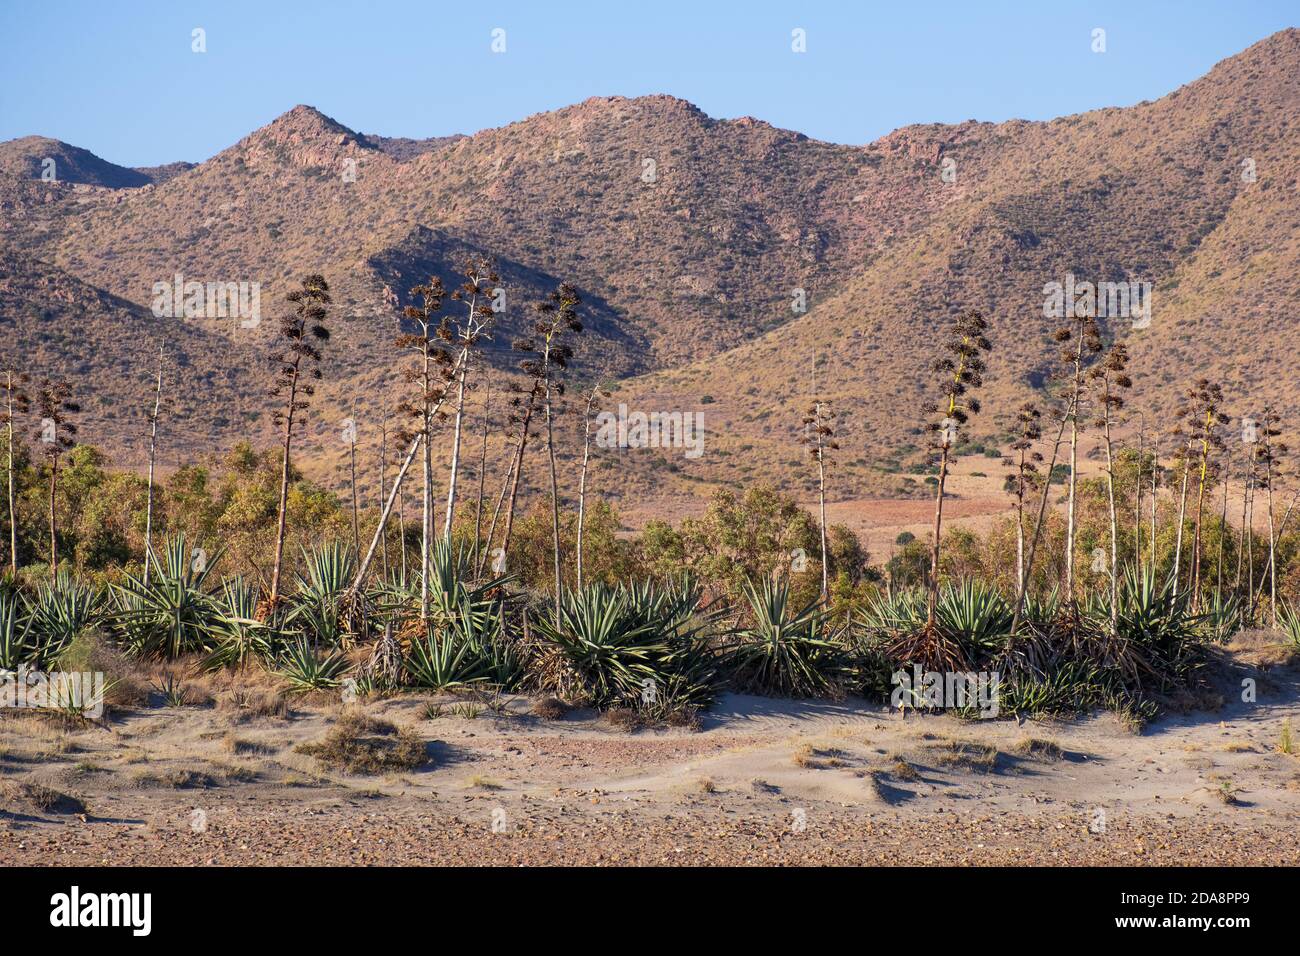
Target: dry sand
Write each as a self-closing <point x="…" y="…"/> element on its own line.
<point x="761" y="781"/>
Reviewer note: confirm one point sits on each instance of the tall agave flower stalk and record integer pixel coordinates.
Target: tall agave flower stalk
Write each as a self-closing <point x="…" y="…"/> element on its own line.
<point x="482" y="470"/>
<point x="547" y="355"/>
<point x="55" y="407"/>
<point x="959" y="373"/>
<point x="153" y="447"/>
<point x="1271" y="453"/>
<point x="296" y="370"/>
<point x="1183" y="455"/>
<point x="428" y="376"/>
<point x="1110" y="379"/>
<point x="558" y="315"/>
<point x="476" y="292"/>
<point x="383" y="479"/>
<point x="819" y="437"/>
<point x="352" y="469"/>
<point x="1066" y="417"/>
<point x="1206" y="414"/>
<point x="591" y="396"/>
<point x="523" y="407"/>
<point x="1029" y="429"/>
<point x="1223" y="531"/>
<point x="16" y="400"/>
<point x="1086" y="338"/>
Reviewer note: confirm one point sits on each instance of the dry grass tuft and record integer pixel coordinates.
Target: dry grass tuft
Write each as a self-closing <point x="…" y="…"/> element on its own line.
<point x="18" y="797"/>
<point x="624" y="718"/>
<point x="244" y="705"/>
<point x="900" y="769"/>
<point x="550" y="708"/>
<point x="240" y="746"/>
<point x="809" y="757"/>
<point x="361" y="744"/>
<point x="966" y="755"/>
<point x="1038" y="748"/>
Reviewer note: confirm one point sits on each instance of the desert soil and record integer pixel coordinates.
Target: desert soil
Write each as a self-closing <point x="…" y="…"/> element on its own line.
<point x="760" y="781"/>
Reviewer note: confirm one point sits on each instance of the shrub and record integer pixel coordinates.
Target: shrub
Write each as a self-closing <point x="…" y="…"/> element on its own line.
<point x="361" y="744"/>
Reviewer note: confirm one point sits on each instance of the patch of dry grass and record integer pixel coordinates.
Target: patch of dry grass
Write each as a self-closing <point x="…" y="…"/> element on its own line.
<point x="16" y="797"/>
<point x="965" y="755"/>
<point x="240" y="746"/>
<point x="247" y="704"/>
<point x="1039" y="749"/>
<point x="360" y="744"/>
<point x="808" y="757"/>
<point x="550" y="708"/>
<point x="901" y="769"/>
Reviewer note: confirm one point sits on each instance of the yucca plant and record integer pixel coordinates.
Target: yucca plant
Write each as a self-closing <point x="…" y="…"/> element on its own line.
<point x="306" y="669"/>
<point x="174" y="613"/>
<point x="787" y="652"/>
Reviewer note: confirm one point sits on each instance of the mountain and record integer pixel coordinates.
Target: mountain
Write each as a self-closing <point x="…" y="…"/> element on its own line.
<point x="693" y="239"/>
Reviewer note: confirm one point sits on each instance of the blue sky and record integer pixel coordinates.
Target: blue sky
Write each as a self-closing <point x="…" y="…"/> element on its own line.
<point x="121" y="79"/>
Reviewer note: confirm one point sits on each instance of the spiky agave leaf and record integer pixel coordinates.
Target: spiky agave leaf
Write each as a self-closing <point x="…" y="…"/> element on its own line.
<point x="602" y="649"/>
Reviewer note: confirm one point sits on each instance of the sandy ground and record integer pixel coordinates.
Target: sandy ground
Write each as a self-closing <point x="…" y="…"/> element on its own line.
<point x="759" y="782"/>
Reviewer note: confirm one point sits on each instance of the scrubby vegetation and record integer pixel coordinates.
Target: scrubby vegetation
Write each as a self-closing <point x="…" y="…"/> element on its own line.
<point x="249" y="565"/>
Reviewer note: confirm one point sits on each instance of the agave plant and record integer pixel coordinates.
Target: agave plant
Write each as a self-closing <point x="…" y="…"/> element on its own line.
<point x="1158" y="634"/>
<point x="324" y="608"/>
<point x="600" y="648"/>
<point x="1223" y="616"/>
<point x="688" y="674"/>
<point x="15" y="627"/>
<point x="467" y="647"/>
<point x="785" y="652"/>
<point x="63" y="608"/>
<point x="976" y="615"/>
<point x="306" y="669"/>
<point x="174" y="613"/>
<point x="240" y="636"/>
<point x="1288" y="619"/>
<point x="889" y="615"/>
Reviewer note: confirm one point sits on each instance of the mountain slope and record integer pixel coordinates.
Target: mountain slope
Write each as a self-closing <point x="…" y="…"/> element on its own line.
<point x="691" y="237"/>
